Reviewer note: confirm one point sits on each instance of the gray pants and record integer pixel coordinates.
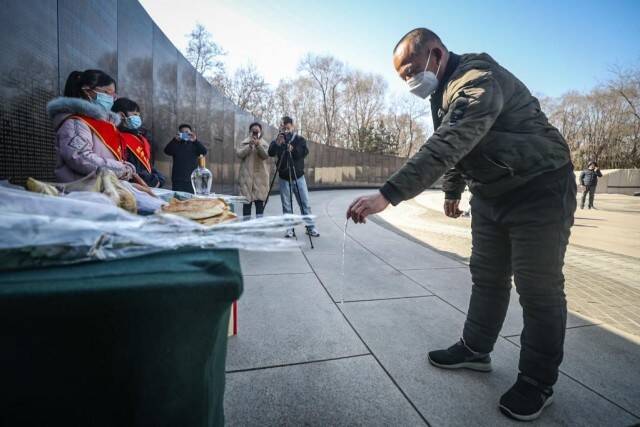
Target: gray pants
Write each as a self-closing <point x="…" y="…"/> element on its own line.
<point x="523" y="234"/>
<point x="591" y="190"/>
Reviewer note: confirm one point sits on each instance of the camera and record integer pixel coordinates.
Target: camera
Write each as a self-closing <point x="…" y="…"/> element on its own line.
<point x="185" y="136"/>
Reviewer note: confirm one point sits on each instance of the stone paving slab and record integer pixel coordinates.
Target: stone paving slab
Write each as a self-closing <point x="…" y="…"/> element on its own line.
<point x="400" y="332"/>
<point x="365" y="277"/>
<point x="266" y="263"/>
<point x="288" y="319"/>
<point x="396" y="250"/>
<point x="605" y="361"/>
<point x="454" y="286"/>
<point x="345" y="392"/>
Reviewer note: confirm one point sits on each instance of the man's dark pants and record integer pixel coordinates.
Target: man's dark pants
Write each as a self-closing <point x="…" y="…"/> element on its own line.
<point x="525" y="234"/>
<point x="184" y="186"/>
<point x="591" y="190"/>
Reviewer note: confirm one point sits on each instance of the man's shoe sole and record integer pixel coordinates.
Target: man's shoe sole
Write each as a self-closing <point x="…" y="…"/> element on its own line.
<point x="531" y="417"/>
<point x="474" y="366"/>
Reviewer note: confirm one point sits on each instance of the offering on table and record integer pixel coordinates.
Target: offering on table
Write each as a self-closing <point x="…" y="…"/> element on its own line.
<point x="204" y="211"/>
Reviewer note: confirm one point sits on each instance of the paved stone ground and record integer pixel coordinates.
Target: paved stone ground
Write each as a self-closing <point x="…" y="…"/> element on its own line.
<point x="304" y="358"/>
<point x="602" y="265"/>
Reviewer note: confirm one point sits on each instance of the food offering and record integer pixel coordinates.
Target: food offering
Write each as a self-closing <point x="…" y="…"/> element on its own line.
<point x="211" y="211"/>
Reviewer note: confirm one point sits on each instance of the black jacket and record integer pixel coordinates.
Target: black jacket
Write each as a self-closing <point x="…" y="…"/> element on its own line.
<point x="153" y="178"/>
<point x="589" y="178"/>
<point x="489" y="128"/>
<point x="185" y="158"/>
<point x="299" y="152"/>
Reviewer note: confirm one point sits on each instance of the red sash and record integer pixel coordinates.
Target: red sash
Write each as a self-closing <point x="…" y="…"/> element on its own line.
<point x="140" y="147"/>
<point x="107" y="132"/>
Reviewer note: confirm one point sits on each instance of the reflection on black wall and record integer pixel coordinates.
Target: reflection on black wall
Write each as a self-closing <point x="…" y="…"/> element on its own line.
<point x="28" y="80"/>
<point x="44" y="40"/>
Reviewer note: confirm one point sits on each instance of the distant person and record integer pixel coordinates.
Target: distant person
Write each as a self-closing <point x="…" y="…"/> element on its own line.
<point x="137" y="146"/>
<point x="589" y="181"/>
<point x="85" y="126"/>
<point x="491" y="134"/>
<point x="185" y="149"/>
<point x="290" y="149"/>
<point x="253" y="153"/>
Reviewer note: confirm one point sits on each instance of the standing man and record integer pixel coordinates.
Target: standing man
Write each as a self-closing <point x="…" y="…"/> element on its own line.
<point x="185" y="149"/>
<point x="290" y="149"/>
<point x="589" y="180"/>
<point x="491" y="134"/>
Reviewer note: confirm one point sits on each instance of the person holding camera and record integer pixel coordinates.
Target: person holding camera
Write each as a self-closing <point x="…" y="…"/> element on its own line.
<point x="185" y="149"/>
<point x="589" y="182"/>
<point x="290" y="149"/>
<point x="254" y="171"/>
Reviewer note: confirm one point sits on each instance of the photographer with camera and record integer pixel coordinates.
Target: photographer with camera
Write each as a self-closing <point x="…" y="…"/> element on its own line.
<point x="254" y="170"/>
<point x="290" y="149"/>
<point x="185" y="149"/>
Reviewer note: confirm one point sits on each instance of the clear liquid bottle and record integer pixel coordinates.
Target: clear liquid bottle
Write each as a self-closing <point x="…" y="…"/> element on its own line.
<point x="201" y="178"/>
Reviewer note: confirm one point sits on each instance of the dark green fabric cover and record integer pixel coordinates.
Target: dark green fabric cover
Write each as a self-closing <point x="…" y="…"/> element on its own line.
<point x="138" y="341"/>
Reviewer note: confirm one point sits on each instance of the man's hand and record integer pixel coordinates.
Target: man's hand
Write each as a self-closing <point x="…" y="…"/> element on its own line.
<point x="280" y="139"/>
<point x="365" y="206"/>
<point x="193" y="137"/>
<point x="451" y="208"/>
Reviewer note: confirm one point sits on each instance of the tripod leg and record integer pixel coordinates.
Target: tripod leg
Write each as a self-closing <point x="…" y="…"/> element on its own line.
<point x="272" y="181"/>
<point x="298" y="197"/>
<point x="291" y="196"/>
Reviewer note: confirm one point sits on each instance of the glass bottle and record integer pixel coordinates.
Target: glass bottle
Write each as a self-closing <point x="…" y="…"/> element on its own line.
<point x="201" y="178"/>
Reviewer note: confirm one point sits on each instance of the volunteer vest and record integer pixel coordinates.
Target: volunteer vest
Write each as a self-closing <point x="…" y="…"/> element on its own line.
<point x="106" y="132"/>
<point x="139" y="147"/>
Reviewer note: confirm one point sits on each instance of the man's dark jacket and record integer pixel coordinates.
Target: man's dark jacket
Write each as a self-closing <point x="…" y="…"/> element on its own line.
<point x="185" y="158"/>
<point x="299" y="152"/>
<point x="488" y="128"/>
<point x="589" y="178"/>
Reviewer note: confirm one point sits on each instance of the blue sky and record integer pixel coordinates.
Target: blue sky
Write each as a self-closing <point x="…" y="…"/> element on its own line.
<point x="553" y="46"/>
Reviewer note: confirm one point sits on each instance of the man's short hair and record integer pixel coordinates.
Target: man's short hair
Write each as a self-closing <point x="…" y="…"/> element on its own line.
<point x="419" y="37"/>
<point x="184" y="125"/>
<point x="592" y="163"/>
<point x="286" y="120"/>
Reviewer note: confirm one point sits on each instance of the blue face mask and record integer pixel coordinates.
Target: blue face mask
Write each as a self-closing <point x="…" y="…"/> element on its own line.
<point x="134" y="122"/>
<point x="103" y="100"/>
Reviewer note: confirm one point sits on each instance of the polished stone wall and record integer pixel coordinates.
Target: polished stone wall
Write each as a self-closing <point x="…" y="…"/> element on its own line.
<point x="44" y="40"/>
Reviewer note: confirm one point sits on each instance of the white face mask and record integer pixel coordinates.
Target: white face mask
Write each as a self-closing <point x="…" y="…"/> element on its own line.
<point x="424" y="83"/>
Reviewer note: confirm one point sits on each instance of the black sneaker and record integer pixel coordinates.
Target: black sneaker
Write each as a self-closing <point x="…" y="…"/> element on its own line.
<point x="526" y="399"/>
<point x="460" y="356"/>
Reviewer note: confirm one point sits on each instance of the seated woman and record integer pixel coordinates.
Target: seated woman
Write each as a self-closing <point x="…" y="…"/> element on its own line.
<point x="137" y="147"/>
<point x="86" y="133"/>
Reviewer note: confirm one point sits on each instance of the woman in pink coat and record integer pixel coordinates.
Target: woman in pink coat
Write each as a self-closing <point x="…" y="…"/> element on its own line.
<point x="86" y="130"/>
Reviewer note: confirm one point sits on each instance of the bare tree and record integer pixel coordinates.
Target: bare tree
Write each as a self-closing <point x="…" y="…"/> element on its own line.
<point x="603" y="124"/>
<point x="249" y="91"/>
<point x="328" y="75"/>
<point x="204" y="54"/>
<point x="299" y="99"/>
<point x="363" y="102"/>
<point x="407" y="118"/>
